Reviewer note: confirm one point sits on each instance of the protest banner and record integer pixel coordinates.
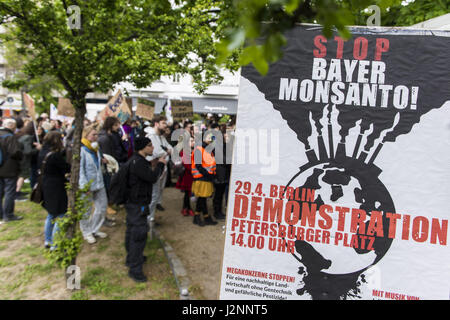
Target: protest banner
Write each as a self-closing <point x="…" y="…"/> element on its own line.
<point x="145" y="109"/>
<point x="29" y="104"/>
<point x="129" y="101"/>
<point x="55" y="116"/>
<point x="355" y="203"/>
<point x="65" y="107"/>
<point x="118" y="107"/>
<point x="181" y="110"/>
<point x="31" y="108"/>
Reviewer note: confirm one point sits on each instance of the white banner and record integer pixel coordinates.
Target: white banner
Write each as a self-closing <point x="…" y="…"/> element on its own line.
<point x="336" y="194"/>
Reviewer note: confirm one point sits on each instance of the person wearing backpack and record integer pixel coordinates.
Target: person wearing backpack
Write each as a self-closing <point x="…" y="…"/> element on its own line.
<point x="11" y="156"/>
<point x="141" y="175"/>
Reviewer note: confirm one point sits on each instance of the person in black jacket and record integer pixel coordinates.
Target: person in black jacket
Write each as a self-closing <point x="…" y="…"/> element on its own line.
<point x="221" y="178"/>
<point x="9" y="170"/>
<point x="27" y="137"/>
<point x="53" y="173"/>
<point x="110" y="141"/>
<point x="142" y="175"/>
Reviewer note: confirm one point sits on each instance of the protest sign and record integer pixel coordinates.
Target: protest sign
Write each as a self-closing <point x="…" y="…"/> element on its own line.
<point x="355" y="203"/>
<point x="55" y="116"/>
<point x="145" y="108"/>
<point x="65" y="107"/>
<point x="181" y="109"/>
<point x="117" y="107"/>
<point x="29" y="104"/>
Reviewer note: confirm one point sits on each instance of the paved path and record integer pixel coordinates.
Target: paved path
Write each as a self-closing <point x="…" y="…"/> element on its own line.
<point x="199" y="249"/>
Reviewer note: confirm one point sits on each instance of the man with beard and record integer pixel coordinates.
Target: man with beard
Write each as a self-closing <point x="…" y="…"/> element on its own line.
<point x="162" y="148"/>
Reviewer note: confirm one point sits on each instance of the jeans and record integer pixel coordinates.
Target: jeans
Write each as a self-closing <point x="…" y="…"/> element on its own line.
<point x="91" y="223"/>
<point x="8" y="191"/>
<point x="50" y="228"/>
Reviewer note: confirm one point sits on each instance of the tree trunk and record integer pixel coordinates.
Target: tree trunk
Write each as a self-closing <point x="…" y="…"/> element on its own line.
<point x="80" y="111"/>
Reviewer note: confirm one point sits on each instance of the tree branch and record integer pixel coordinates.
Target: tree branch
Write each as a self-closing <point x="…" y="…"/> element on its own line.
<point x="60" y="76"/>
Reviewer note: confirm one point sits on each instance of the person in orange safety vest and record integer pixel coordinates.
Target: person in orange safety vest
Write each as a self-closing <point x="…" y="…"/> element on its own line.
<point x="203" y="172"/>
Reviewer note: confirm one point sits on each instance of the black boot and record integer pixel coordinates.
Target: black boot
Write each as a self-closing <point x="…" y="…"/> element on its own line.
<point x="219" y="215"/>
<point x="198" y="219"/>
<point x="138" y="277"/>
<point x="209" y="221"/>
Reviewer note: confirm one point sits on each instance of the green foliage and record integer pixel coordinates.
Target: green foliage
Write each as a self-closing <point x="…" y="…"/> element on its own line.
<point x="122" y="40"/>
<point x="197" y="117"/>
<point x="137" y="41"/>
<point x="42" y="88"/>
<point x="415" y="12"/>
<point x="260" y="25"/>
<point x="68" y="247"/>
<point x="256" y="33"/>
<point x="224" y="119"/>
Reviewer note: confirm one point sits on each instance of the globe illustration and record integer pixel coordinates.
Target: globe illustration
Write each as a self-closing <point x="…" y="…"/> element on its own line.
<point x="333" y="269"/>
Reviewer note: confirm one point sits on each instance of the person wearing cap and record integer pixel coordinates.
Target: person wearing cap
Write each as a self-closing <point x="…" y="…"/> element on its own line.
<point x="142" y="175"/>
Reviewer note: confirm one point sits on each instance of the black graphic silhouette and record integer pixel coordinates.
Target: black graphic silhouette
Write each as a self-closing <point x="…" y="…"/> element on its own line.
<point x="413" y="60"/>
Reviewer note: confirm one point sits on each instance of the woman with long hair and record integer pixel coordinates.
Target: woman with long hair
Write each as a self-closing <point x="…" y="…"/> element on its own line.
<point x="91" y="172"/>
<point x="53" y="168"/>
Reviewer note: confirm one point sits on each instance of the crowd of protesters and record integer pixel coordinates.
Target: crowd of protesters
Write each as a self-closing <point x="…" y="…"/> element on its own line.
<point x="41" y="151"/>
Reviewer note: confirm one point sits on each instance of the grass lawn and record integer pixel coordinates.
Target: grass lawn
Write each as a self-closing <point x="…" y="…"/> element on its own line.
<point x="26" y="274"/>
